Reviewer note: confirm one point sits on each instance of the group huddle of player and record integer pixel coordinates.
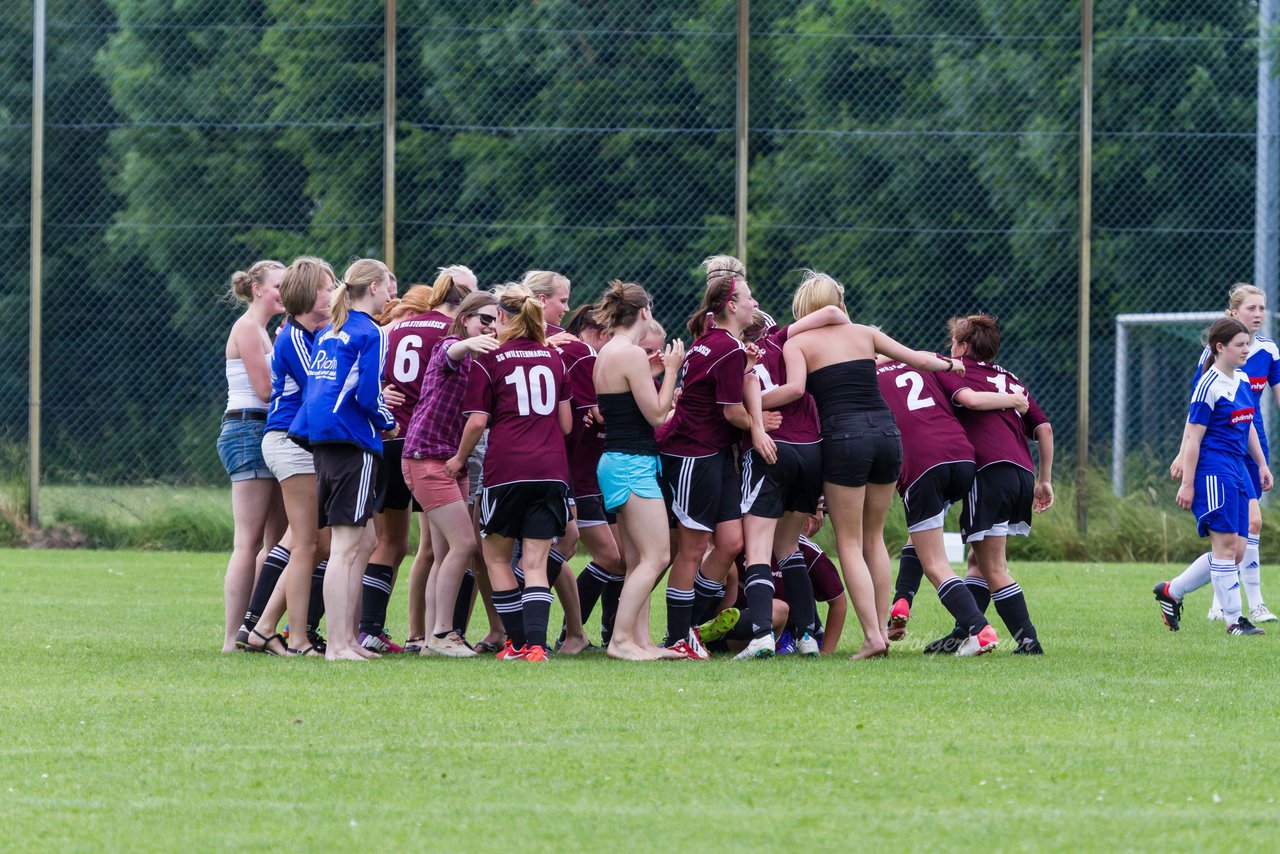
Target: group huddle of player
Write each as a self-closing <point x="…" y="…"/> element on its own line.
<point x="518" y="442"/>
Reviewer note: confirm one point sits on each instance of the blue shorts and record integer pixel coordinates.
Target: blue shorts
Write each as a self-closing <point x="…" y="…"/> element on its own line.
<point x="1255" y="476"/>
<point x="624" y="475"/>
<point x="1221" y="504"/>
<point x="240" y="449"/>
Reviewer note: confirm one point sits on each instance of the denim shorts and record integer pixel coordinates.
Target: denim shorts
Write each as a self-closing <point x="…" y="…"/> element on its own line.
<point x="860" y="448"/>
<point x="240" y="449"/>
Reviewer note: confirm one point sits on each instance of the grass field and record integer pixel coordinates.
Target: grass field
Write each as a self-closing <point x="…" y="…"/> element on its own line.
<point x="123" y="728"/>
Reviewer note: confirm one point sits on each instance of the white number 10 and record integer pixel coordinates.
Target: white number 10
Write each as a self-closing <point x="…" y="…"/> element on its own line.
<point x="537" y="393"/>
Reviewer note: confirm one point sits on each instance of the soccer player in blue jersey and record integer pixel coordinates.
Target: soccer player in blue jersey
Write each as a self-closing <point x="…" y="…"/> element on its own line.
<point x="344" y="419"/>
<point x="1215" y="485"/>
<point x="1248" y="304"/>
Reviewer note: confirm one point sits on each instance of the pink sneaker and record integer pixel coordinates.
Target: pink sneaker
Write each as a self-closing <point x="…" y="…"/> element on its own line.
<point x="382" y="644"/>
<point x="983" y="642"/>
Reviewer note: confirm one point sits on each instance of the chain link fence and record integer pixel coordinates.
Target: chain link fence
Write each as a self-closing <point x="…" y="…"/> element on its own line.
<point x="925" y="154"/>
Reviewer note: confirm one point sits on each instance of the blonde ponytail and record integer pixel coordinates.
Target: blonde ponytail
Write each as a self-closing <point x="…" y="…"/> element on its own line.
<point x="242" y="281"/>
<point x="524" y="315"/>
<point x="360" y="276"/>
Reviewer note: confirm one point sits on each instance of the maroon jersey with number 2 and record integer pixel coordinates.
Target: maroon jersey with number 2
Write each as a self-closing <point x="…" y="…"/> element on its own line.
<point x="711" y="380"/>
<point x="931" y="434"/>
<point x="998" y="436"/>
<point x="409" y="346"/>
<point x="519" y="386"/>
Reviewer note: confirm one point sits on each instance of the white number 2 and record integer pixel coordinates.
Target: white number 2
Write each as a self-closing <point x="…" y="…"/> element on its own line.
<point x="915" y="400"/>
<point x="537" y="393"/>
<point x="408" y="361"/>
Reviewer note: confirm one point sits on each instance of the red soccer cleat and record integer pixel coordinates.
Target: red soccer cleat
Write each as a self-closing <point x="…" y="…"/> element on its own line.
<point x="510" y="653"/>
<point x="898" y="618"/>
<point x="535" y="653"/>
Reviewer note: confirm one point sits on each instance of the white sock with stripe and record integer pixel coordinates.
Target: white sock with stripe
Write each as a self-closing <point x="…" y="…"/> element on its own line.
<point x="1226" y="583"/>
<point x="1192" y="578"/>
<point x="1251" y="573"/>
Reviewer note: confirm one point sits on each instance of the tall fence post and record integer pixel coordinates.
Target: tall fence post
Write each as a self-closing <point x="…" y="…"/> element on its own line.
<point x="740" y="130"/>
<point x="1086" y="249"/>
<point x="389" y="137"/>
<point x="37" y="259"/>
<point x="1266" y="221"/>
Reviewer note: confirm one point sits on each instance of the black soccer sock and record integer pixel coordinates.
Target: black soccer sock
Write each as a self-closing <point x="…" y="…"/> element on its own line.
<point x="759" y="590"/>
<point x="375" y="593"/>
<point x="537" y="610"/>
<point x="981" y="594"/>
<point x="957" y="598"/>
<point x="910" y="573"/>
<point x="1011" y="605"/>
<point x="707" y="595"/>
<point x="462" y="605"/>
<point x="507" y="604"/>
<point x="591" y="584"/>
<point x="609" y="606"/>
<point x="799" y="590"/>
<point x="315" y="605"/>
<point x="272" y="568"/>
<point x="555" y="563"/>
<point x="517" y="551"/>
<point x="679" y="614"/>
<point x="742" y="630"/>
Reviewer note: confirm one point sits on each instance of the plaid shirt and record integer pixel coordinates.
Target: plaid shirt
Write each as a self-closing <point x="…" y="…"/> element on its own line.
<point x="436" y="427"/>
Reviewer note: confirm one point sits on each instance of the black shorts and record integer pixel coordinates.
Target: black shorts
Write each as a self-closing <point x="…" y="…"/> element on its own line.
<point x="395" y="493"/>
<point x="527" y="509"/>
<point x="791" y="485"/>
<point x="860" y="448"/>
<point x="999" y="504"/>
<point x="928" y="499"/>
<point x="591" y="512"/>
<point x="705" y="491"/>
<point x="346" y="484"/>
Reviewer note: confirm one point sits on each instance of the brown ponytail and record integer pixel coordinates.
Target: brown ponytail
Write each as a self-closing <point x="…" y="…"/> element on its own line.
<point x="724" y="272"/>
<point x="1221" y="332"/>
<point x="622" y="304"/>
<point x="980" y="332"/>
<point x="524" y="315"/>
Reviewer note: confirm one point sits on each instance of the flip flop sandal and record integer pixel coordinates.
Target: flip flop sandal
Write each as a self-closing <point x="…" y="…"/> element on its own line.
<point x="412" y="645"/>
<point x="266" y="643"/>
<point x="487" y="646"/>
<point x="309" y="652"/>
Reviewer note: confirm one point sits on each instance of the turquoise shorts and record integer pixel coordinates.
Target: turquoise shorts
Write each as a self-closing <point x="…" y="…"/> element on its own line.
<point x="624" y="475"/>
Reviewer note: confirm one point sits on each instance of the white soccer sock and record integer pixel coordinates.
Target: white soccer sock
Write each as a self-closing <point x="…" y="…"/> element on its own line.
<point x="1192" y="578"/>
<point x="1251" y="573"/>
<point x="1226" y="583"/>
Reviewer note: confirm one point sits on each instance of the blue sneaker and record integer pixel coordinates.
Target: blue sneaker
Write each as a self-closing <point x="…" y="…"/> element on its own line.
<point x="786" y="644"/>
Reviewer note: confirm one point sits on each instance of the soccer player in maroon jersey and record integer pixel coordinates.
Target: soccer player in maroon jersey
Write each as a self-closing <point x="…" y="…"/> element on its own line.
<point x="937" y="471"/>
<point x="627" y="472"/>
<point x="698" y="448"/>
<point x="1006" y="488"/>
<point x="861" y="448"/>
<point x="552" y="291"/>
<point x="519" y="392"/>
<point x="778" y="497"/>
<point x="416" y="323"/>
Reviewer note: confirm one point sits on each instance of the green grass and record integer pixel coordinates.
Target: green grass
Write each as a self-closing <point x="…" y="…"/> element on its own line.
<point x="123" y="728"/>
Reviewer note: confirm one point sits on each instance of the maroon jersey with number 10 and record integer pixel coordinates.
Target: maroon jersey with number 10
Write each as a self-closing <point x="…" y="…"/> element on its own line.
<point x="711" y="380"/>
<point x="519" y="386"/>
<point x="410" y="343"/>
<point x="931" y="434"/>
<point x="998" y="436"/>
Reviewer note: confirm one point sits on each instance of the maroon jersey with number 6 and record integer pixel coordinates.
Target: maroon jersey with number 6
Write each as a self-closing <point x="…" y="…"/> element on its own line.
<point x="519" y="386"/>
<point x="410" y="343"/>
<point x="931" y="433"/>
<point x="998" y="436"/>
<point x="711" y="380"/>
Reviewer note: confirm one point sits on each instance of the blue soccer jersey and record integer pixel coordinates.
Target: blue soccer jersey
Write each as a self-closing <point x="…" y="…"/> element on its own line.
<point x="1224" y="405"/>
<point x="1263" y="370"/>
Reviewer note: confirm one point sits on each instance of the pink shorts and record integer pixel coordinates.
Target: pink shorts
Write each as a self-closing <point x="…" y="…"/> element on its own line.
<point x="429" y="484"/>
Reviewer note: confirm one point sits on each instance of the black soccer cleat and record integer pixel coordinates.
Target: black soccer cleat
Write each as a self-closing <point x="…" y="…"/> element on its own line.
<point x="947" y="645"/>
<point x="1242" y="626"/>
<point x="1170" y="608"/>
<point x="1028" y="646"/>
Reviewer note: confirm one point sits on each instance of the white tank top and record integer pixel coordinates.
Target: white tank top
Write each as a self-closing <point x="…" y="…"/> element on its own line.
<point x="240" y="393"/>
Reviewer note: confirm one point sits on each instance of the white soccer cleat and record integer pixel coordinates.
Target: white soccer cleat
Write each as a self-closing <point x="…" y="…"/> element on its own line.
<point x="1262" y="614"/>
<point x="761" y="647"/>
<point x="807" y="645"/>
